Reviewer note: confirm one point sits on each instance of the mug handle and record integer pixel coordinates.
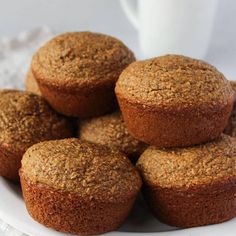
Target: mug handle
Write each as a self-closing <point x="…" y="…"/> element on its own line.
<point x="131" y="12"/>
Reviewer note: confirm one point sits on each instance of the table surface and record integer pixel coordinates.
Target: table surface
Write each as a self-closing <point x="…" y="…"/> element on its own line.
<point x="107" y="16"/>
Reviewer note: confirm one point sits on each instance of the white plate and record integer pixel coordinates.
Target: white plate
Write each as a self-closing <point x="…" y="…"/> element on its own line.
<point x="13" y="211"/>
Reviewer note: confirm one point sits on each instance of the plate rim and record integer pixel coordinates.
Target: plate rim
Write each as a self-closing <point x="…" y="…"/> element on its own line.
<point x="215" y="229"/>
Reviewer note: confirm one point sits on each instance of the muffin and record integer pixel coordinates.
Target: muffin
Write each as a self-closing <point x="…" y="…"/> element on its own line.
<point x="231" y="126"/>
<point x="76" y="72"/>
<point x="174" y="101"/>
<point x="25" y="119"/>
<point x="78" y="187"/>
<point x="31" y="84"/>
<point x="233" y="84"/>
<point x="191" y="186"/>
<point x="110" y="130"/>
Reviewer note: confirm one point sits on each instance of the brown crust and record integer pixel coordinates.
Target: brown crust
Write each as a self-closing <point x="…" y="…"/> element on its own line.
<point x="86" y="103"/>
<point x="174" y="101"/>
<point x="69" y="213"/>
<point x="177" y="126"/>
<point x="87" y="169"/>
<point x="173" y="80"/>
<point x="76" y="72"/>
<point x="233" y="84"/>
<point x="193" y="166"/>
<point x="192" y="207"/>
<point x="192" y="186"/>
<point x="110" y="130"/>
<point x="10" y="162"/>
<point x="31" y="83"/>
<point x="26" y="119"/>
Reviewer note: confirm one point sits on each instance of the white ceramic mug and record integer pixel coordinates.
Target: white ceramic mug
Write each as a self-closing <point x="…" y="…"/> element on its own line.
<point x="173" y="26"/>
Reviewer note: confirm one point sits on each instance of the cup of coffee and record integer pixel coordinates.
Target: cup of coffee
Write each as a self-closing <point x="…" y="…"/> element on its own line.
<point x="172" y="26"/>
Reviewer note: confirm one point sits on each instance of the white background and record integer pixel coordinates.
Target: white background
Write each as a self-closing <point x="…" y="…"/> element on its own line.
<point x="107" y="16"/>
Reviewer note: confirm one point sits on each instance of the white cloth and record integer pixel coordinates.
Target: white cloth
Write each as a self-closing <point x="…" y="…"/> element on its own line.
<point x="15" y="57"/>
<point x="16" y="53"/>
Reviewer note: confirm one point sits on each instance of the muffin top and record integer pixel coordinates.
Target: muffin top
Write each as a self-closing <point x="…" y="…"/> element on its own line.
<point x="173" y="80"/>
<point x="204" y="164"/>
<point x="110" y="130"/>
<point x="80" y="59"/>
<point x="26" y="119"/>
<point x="89" y="170"/>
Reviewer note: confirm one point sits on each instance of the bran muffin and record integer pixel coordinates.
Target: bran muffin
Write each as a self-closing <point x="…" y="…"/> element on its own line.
<point x="233" y="84"/>
<point x="191" y="186"/>
<point x="174" y="101"/>
<point x="110" y="130"/>
<point x="25" y="119"/>
<point x="31" y="83"/>
<point x="76" y="72"/>
<point x="87" y="188"/>
<point x="231" y="126"/>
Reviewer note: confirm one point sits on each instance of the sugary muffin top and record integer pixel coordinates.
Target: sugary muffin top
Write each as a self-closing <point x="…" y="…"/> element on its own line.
<point x="110" y="130"/>
<point x="80" y="59"/>
<point x="173" y="80"/>
<point x="204" y="164"/>
<point x="92" y="171"/>
<point x="26" y="119"/>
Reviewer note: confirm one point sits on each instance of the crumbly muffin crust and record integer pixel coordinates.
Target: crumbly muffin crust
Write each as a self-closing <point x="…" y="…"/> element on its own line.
<point x="172" y="80"/>
<point x="83" y="168"/>
<point x="31" y="83"/>
<point x="110" y="130"/>
<point x="26" y="119"/>
<point x="188" y="167"/>
<point x="77" y="59"/>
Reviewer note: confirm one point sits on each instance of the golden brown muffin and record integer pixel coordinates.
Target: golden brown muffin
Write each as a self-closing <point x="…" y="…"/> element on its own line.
<point x="31" y="84"/>
<point x="110" y="130"/>
<point x="231" y="126"/>
<point x="174" y="101"/>
<point x="87" y="188"/>
<point x="25" y="119"/>
<point x="77" y="72"/>
<point x="191" y="186"/>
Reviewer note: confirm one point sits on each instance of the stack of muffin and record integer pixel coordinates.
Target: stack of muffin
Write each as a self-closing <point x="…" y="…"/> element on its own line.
<point x="181" y="106"/>
<point x="88" y="184"/>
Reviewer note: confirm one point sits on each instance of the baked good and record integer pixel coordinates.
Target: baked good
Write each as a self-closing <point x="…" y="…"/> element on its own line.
<point x="25" y="119"/>
<point x="78" y="187"/>
<point x="31" y="84"/>
<point x="231" y="126"/>
<point x="174" y="101"/>
<point x="110" y="130"/>
<point x="76" y="72"/>
<point x="233" y="84"/>
<point x="191" y="186"/>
